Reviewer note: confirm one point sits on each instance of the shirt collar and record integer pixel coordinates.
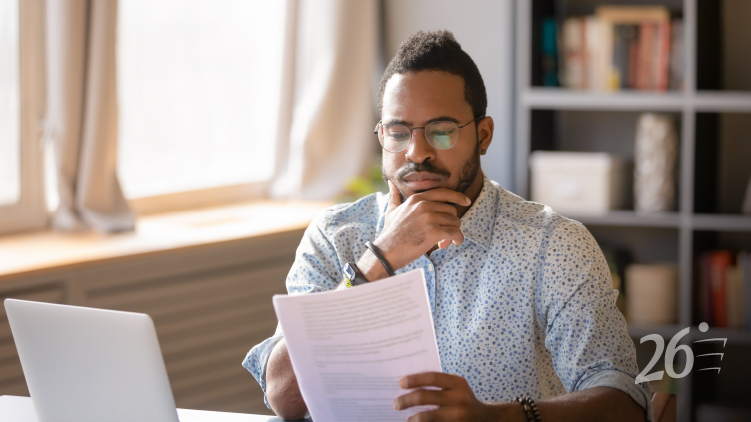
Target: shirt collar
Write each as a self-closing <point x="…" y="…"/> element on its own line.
<point x="477" y="222"/>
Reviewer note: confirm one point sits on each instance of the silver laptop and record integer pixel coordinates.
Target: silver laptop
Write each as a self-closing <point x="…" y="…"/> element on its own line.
<point x="90" y="365"/>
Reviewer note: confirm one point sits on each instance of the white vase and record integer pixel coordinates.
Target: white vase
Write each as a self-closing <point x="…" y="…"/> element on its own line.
<point x="655" y="155"/>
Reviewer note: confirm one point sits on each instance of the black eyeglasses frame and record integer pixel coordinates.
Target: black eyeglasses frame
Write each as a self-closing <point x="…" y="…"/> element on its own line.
<point x="375" y="132"/>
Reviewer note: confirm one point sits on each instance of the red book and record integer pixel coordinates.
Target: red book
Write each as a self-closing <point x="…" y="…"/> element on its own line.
<point x="663" y="57"/>
<point x="707" y="307"/>
<point x="721" y="260"/>
<point x="643" y="71"/>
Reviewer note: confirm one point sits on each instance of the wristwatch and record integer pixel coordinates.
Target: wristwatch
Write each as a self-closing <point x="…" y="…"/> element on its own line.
<point x="352" y="275"/>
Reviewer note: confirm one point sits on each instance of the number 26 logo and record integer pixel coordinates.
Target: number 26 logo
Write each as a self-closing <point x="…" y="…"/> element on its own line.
<point x="670" y="353"/>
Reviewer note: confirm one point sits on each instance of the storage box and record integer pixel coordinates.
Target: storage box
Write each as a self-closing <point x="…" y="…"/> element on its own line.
<point x="580" y="182"/>
<point x="652" y="294"/>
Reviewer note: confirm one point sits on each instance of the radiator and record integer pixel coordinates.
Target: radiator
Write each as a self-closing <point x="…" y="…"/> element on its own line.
<point x="210" y="305"/>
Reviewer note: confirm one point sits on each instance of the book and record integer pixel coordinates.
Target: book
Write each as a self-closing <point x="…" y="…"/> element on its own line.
<point x="744" y="264"/>
<point x="574" y="51"/>
<point x="650" y="17"/>
<point x="595" y="79"/>
<point x="747" y="200"/>
<point x="662" y="68"/>
<point x="707" y="302"/>
<point x="740" y="291"/>
<point x="732" y="278"/>
<point x="646" y="38"/>
<point x="676" y="55"/>
<point x="619" y="47"/>
<point x="624" y="39"/>
<point x="549" y="52"/>
<point x="721" y="260"/>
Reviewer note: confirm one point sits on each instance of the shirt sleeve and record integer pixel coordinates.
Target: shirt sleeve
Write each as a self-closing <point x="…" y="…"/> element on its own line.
<point x="585" y="333"/>
<point x="316" y="268"/>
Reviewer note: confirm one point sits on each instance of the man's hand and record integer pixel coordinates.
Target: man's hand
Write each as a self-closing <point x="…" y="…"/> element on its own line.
<point x="455" y="400"/>
<point x="424" y="220"/>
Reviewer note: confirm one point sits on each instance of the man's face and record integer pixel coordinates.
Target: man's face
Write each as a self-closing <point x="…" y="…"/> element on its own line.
<point x="416" y="99"/>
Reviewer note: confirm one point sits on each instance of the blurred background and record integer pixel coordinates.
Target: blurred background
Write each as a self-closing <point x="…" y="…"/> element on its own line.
<point x="166" y="156"/>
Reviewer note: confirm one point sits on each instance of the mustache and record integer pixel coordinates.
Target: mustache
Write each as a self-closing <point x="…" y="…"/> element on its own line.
<point x="425" y="166"/>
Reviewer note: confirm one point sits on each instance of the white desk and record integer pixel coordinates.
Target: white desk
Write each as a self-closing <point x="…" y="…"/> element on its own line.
<point x="21" y="409"/>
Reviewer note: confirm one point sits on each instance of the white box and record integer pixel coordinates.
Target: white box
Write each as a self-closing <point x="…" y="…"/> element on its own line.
<point x="579" y="182"/>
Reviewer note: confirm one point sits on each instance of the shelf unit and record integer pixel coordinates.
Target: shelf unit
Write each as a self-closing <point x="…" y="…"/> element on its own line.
<point x="689" y="221"/>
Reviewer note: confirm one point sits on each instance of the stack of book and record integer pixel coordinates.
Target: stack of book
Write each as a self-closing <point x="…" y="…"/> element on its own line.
<point x="725" y="289"/>
<point x="623" y="47"/>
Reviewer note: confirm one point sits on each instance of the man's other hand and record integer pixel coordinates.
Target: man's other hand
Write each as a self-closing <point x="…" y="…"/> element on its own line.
<point x="424" y="220"/>
<point x="455" y="400"/>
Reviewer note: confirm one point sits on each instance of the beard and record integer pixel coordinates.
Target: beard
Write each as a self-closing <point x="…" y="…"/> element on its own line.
<point x="467" y="175"/>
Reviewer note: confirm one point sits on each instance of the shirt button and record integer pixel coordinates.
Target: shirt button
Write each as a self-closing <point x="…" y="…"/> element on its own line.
<point x="430" y="267"/>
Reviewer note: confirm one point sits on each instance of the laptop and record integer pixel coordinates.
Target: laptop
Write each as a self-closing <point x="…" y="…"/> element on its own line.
<point x="90" y="365"/>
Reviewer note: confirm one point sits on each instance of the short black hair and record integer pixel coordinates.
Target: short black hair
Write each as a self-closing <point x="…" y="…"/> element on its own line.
<point x="439" y="51"/>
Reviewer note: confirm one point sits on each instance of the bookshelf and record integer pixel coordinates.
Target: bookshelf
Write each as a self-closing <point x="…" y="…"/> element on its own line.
<point x="710" y="113"/>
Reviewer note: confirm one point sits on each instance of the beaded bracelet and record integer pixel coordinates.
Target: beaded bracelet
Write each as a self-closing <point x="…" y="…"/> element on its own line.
<point x="530" y="409"/>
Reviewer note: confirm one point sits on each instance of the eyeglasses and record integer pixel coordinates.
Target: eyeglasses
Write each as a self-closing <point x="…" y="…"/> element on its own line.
<point x="441" y="135"/>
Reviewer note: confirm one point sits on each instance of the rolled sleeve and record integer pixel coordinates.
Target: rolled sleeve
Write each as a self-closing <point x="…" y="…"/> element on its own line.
<point x="585" y="333"/>
<point x="624" y="382"/>
<point x="255" y="361"/>
<point x="316" y="268"/>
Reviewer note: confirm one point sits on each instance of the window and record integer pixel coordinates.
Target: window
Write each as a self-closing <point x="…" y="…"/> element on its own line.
<point x="198" y="87"/>
<point x="21" y="195"/>
<point x="10" y="115"/>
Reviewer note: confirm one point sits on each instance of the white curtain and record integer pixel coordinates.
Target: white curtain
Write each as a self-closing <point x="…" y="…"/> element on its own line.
<point x="327" y="109"/>
<point x="81" y="118"/>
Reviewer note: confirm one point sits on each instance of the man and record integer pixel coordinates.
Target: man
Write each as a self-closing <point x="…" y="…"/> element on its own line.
<point x="521" y="297"/>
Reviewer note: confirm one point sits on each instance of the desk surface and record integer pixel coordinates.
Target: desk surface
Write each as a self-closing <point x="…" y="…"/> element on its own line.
<point x="21" y="409"/>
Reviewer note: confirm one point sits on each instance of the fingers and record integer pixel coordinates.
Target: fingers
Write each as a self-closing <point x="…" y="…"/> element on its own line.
<point x="448" y="226"/>
<point x="435" y="207"/>
<point x="431" y="379"/>
<point x="443" y="195"/>
<point x="420" y="397"/>
<point x="395" y="198"/>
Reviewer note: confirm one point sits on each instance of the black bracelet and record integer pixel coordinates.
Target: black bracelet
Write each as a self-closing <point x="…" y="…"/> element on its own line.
<point x="530" y="409"/>
<point x="377" y="252"/>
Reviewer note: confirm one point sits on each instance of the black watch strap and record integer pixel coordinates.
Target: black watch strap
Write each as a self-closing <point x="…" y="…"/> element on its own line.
<point x="352" y="275"/>
<point x="377" y="252"/>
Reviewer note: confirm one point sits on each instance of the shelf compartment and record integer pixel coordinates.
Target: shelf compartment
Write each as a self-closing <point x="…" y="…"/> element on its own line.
<point x="729" y="387"/>
<point x="612" y="132"/>
<point x="646" y="245"/>
<point x="722" y="173"/>
<point x="562" y="9"/>
<point x="722" y="59"/>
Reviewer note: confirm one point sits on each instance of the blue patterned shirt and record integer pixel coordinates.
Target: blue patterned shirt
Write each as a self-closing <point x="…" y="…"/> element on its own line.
<point x="524" y="307"/>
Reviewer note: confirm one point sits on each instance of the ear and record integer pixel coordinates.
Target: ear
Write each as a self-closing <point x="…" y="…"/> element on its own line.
<point x="485" y="129"/>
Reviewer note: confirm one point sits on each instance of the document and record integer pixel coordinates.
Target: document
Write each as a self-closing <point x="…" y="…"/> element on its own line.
<point x="349" y="348"/>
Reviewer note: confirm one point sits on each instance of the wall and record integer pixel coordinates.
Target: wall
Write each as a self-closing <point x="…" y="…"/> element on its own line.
<point x="485" y="30"/>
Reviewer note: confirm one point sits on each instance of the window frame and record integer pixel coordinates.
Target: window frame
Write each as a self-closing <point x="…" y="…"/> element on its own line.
<point x="30" y="212"/>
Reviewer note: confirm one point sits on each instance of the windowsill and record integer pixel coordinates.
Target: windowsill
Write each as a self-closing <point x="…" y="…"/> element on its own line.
<point x="40" y="252"/>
